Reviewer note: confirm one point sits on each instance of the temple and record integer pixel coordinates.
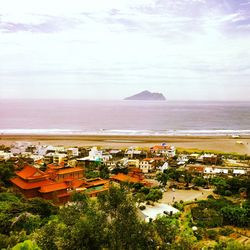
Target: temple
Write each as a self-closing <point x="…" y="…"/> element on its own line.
<point x="56" y="183"/>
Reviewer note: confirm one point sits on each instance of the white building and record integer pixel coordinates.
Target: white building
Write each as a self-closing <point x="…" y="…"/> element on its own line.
<point x="73" y="152"/>
<point x="164" y="167"/>
<point x="151" y="212"/>
<point x="147" y="165"/>
<point x="4" y="156"/>
<point x="239" y="171"/>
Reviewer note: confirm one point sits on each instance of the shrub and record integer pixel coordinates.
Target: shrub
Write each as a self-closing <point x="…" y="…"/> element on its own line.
<point x="225" y="231"/>
<point x="228" y="193"/>
<point x="142" y="207"/>
<point x="212" y="234"/>
<point x="210" y="196"/>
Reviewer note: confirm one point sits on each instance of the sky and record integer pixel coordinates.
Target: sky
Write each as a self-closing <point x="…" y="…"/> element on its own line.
<point x="110" y="49"/>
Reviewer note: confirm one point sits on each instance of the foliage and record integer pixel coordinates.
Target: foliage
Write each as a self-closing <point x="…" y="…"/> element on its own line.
<point x="41" y="207"/>
<point x="199" y="181"/>
<point x="235" y="185"/>
<point x="104" y="171"/>
<point x="6" y="172"/>
<point x="218" y="212"/>
<point x="154" y="195"/>
<point x="167" y="229"/>
<point x="234" y="215"/>
<point x="26" y="245"/>
<point x="162" y="178"/>
<point x="92" y="174"/>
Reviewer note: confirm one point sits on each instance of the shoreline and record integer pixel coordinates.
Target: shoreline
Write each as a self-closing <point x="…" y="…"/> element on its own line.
<point x="221" y="143"/>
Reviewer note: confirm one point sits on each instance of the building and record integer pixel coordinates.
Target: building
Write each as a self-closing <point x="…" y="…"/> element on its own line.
<point x="133" y="153"/>
<point x="72" y="152"/>
<point x="163" y="150"/>
<point x="59" y="158"/>
<point x="4" y="156"/>
<point x="150" y="164"/>
<point x="57" y="183"/>
<point x="151" y="212"/>
<point x="134" y="176"/>
<point x="29" y="181"/>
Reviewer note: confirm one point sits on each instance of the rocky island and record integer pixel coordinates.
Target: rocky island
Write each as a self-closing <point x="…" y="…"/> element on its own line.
<point x="147" y="96"/>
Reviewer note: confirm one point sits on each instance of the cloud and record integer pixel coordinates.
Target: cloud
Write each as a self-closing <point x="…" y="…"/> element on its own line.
<point x="114" y="44"/>
<point x="49" y="25"/>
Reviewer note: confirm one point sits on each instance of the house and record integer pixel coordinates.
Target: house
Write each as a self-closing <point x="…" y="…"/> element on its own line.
<point x="150" y="164"/>
<point x="19" y="147"/>
<point x="147" y="165"/>
<point x="4" y="156"/>
<point x="131" y="163"/>
<point x="164" y="150"/>
<point x="134" y="176"/>
<point x="58" y="158"/>
<point x="196" y="169"/>
<point x="95" y="155"/>
<point x="133" y="153"/>
<point x="239" y="171"/>
<point x="208" y="159"/>
<point x="72" y="152"/>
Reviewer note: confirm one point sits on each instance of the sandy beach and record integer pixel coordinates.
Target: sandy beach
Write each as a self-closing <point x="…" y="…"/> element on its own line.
<point x="217" y="143"/>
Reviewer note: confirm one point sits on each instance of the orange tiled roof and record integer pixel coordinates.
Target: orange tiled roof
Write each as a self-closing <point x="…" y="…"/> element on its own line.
<point x="69" y="170"/>
<point x="30" y="172"/>
<point x="125" y="178"/>
<point x="158" y="147"/>
<point x="147" y="159"/>
<point x="29" y="185"/>
<point x="154" y="159"/>
<point x="53" y="187"/>
<point x="53" y="166"/>
<point x="97" y="183"/>
<point x="196" y="168"/>
<point x="78" y="183"/>
<point x="97" y="191"/>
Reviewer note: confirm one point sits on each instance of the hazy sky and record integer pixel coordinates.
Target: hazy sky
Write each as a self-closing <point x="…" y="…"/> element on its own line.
<point x="103" y="49"/>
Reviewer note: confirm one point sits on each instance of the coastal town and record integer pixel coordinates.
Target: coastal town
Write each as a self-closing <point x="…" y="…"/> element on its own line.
<point x="163" y="180"/>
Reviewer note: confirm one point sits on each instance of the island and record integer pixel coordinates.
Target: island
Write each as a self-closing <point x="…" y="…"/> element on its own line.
<point x="147" y="96"/>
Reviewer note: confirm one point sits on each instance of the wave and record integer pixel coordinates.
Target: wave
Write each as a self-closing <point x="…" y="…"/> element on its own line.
<point x="121" y="132"/>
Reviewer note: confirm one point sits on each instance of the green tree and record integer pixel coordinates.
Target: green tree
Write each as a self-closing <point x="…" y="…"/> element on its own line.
<point x="199" y="181"/>
<point x="154" y="195"/>
<point x="162" y="178"/>
<point x="167" y="229"/>
<point x="7" y="171"/>
<point x="26" y="245"/>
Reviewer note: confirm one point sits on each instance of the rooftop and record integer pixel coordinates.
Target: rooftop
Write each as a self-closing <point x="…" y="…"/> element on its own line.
<point x="69" y="170"/>
<point x="29" y="185"/>
<point x="30" y="172"/>
<point x="53" y="187"/>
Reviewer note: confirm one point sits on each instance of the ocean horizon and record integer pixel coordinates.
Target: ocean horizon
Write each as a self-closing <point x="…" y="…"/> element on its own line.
<point x="82" y="117"/>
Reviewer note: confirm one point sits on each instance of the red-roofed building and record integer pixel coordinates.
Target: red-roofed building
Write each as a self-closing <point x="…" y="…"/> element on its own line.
<point x="59" y="174"/>
<point x="135" y="176"/>
<point x="56" y="184"/>
<point x="57" y="192"/>
<point x="29" y="180"/>
<point x="164" y="150"/>
<point x="196" y="169"/>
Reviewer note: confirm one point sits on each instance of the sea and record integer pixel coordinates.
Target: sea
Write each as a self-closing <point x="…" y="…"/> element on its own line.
<point x="89" y="117"/>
